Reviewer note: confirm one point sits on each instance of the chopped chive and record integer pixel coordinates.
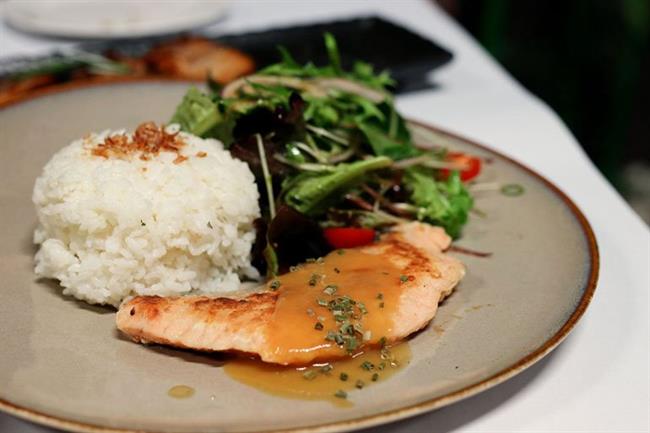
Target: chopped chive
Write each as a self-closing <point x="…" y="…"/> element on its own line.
<point x="367" y="365"/>
<point x="359" y="384"/>
<point x="362" y="308"/>
<point x="381" y="366"/>
<point x="512" y="190"/>
<point x="330" y="289"/>
<point x="326" y="368"/>
<point x="275" y="284"/>
<point x="340" y="252"/>
<point x="331" y="336"/>
<point x="340" y="317"/>
<point x="309" y="374"/>
<point x="322" y="302"/>
<point x="375" y="377"/>
<point x="343" y="376"/>
<point x="382" y="342"/>
<point x="341" y="394"/>
<point x="403" y="278"/>
<point x="310" y="312"/>
<point x="347" y="328"/>
<point x="318" y="326"/>
<point x="313" y="280"/>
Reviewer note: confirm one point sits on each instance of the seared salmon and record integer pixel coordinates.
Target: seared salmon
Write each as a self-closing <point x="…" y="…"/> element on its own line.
<point x="327" y="308"/>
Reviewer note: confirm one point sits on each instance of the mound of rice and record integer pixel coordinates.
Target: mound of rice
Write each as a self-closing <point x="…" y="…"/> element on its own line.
<point x="123" y="214"/>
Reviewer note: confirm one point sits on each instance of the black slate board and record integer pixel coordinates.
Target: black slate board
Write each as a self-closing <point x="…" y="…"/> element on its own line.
<point x="407" y="55"/>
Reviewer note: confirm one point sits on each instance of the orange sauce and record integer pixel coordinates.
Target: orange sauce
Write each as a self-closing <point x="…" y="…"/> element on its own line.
<point x="180" y="391"/>
<point x="298" y="331"/>
<point x="322" y="381"/>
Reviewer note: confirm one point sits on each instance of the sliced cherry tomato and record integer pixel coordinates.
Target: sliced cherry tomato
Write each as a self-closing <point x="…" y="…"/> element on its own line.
<point x="472" y="164"/>
<point x="348" y="237"/>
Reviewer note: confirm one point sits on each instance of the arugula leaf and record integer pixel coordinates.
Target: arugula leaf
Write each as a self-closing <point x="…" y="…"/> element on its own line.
<point x="445" y="203"/>
<point x="197" y="113"/>
<point x="312" y="193"/>
<point x="382" y="144"/>
<point x="333" y="53"/>
<point x="361" y="71"/>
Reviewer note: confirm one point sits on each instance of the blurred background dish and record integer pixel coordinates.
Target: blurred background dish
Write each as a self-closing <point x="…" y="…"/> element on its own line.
<point x="387" y="46"/>
<point x="107" y="19"/>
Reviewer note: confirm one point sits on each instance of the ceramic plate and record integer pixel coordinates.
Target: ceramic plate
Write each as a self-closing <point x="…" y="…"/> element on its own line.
<point x="63" y="364"/>
<point x="109" y="19"/>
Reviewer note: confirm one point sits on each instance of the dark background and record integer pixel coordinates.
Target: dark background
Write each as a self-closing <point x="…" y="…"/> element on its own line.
<point x="588" y="60"/>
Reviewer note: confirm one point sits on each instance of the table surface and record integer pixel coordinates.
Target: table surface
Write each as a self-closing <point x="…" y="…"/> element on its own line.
<point x="598" y="380"/>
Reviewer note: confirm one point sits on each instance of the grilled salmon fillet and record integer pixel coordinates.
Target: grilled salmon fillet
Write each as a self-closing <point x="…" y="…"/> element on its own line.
<point x="394" y="285"/>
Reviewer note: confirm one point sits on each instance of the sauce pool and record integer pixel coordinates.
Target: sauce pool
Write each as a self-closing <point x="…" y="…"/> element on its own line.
<point x="335" y="382"/>
<point x="180" y="391"/>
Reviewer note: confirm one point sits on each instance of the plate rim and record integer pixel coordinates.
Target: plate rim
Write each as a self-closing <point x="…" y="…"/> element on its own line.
<point x="388" y="416"/>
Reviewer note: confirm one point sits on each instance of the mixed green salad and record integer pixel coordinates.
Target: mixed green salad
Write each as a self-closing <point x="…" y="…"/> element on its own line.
<point x="334" y="160"/>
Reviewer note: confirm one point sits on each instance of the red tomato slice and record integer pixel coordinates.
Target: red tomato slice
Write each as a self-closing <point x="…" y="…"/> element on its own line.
<point x="472" y="166"/>
<point x="348" y="237"/>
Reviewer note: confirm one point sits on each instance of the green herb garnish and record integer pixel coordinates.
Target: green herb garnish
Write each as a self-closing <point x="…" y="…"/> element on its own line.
<point x="341" y="394"/>
<point x="512" y="190"/>
<point x="313" y="280"/>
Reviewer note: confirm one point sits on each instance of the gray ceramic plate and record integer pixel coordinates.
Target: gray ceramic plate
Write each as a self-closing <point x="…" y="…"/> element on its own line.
<point x="63" y="364"/>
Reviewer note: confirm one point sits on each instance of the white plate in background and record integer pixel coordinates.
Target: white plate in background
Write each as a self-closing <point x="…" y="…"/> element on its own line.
<point x="111" y="19"/>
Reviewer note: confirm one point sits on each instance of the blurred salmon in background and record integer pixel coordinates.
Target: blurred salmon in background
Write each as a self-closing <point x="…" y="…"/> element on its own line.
<point x="185" y="58"/>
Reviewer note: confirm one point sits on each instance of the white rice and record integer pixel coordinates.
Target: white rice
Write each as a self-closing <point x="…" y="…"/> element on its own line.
<point x="114" y="227"/>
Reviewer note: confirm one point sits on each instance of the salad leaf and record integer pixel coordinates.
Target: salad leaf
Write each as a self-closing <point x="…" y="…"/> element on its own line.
<point x="328" y="148"/>
<point x="383" y="144"/>
<point x="295" y="237"/>
<point x="445" y="203"/>
<point x="197" y="113"/>
<point x="312" y="194"/>
<point x="362" y="72"/>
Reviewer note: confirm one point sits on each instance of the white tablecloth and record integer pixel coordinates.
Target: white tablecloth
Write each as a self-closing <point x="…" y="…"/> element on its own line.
<point x="599" y="379"/>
